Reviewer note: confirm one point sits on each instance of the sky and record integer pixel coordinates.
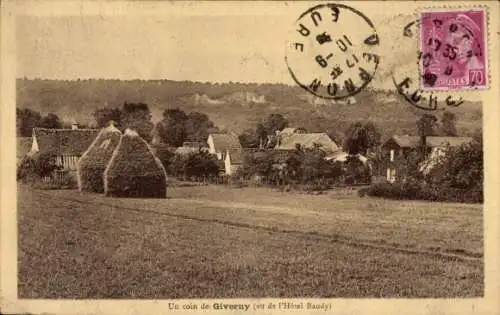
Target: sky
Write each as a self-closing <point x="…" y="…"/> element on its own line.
<point x="198" y="48"/>
<point x="228" y="42"/>
<point x="197" y="41"/>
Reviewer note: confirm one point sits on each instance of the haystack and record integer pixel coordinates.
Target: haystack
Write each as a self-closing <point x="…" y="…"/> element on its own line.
<point x="134" y="170"/>
<point x="92" y="164"/>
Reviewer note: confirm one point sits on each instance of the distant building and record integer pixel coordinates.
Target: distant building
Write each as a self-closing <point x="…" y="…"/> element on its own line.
<point x="226" y="148"/>
<point x="397" y="148"/>
<point x="67" y="145"/>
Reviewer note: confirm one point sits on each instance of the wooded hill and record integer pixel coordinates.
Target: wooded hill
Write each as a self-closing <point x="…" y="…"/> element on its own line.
<point x="233" y="106"/>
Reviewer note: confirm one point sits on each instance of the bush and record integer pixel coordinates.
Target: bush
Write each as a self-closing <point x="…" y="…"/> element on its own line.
<point x="64" y="181"/>
<point x="414" y="191"/>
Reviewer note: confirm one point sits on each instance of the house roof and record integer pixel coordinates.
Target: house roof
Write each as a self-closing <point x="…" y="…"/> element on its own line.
<point x="226" y="142"/>
<point x="307" y="140"/>
<point x="432" y="141"/>
<point x="23" y="145"/>
<point x="236" y="156"/>
<point x="223" y="142"/>
<point x="185" y="150"/>
<point x="64" y="141"/>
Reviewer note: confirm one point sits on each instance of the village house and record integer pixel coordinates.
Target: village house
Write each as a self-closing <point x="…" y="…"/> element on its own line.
<point x="67" y="145"/>
<point x="289" y="138"/>
<point x="398" y="148"/>
<point x="226" y="148"/>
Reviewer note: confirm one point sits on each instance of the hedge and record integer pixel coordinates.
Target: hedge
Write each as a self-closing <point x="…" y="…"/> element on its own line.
<point x="415" y="191"/>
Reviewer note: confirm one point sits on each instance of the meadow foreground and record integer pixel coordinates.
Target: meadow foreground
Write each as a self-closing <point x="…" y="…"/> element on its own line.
<point x="216" y="242"/>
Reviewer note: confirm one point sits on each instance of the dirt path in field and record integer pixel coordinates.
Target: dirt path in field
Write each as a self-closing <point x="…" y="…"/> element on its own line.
<point x="280" y="210"/>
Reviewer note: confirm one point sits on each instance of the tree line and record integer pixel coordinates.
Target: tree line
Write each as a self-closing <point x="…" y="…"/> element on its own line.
<point x="177" y="126"/>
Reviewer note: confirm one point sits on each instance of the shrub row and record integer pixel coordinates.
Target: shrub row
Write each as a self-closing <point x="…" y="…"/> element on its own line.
<point x="415" y="191"/>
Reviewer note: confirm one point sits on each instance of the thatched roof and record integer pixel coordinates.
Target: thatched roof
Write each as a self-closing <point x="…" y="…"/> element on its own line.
<point x="223" y="142"/>
<point x="64" y="141"/>
<point x="307" y="140"/>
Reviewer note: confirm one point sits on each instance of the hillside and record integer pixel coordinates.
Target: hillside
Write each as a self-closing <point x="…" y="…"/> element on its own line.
<point x="233" y="106"/>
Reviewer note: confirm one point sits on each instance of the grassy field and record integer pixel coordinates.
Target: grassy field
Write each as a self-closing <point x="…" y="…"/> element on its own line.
<point x="215" y="242"/>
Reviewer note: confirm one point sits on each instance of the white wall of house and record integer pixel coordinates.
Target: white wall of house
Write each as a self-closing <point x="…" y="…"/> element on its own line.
<point x="34" y="145"/>
<point x="211" y="145"/>
<point x="228" y="166"/>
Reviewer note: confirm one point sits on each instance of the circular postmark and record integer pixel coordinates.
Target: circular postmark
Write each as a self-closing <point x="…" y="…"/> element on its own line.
<point x="409" y="80"/>
<point x="330" y="52"/>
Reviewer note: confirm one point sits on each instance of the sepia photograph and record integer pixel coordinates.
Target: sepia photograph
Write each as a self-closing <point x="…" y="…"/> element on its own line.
<point x="227" y="151"/>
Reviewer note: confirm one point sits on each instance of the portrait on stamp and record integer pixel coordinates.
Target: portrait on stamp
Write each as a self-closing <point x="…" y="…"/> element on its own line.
<point x="231" y="152"/>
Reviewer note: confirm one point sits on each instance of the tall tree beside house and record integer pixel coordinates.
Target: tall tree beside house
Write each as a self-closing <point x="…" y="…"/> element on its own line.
<point x="198" y="126"/>
<point x="172" y="128"/>
<point x="274" y="122"/>
<point x="360" y="137"/>
<point x="103" y="116"/>
<point x="448" y="124"/>
<point x="26" y="120"/>
<point x="261" y="133"/>
<point x="426" y="126"/>
<point x="249" y="139"/>
<point x="176" y="127"/>
<point x="137" y="116"/>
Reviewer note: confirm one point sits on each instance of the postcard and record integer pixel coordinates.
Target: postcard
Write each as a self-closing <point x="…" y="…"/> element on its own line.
<point x="264" y="157"/>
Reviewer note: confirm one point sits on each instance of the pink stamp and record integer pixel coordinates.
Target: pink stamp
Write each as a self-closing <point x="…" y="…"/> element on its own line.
<point x="453" y="50"/>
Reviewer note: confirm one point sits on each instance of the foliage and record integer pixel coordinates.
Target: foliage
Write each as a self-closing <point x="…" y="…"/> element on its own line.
<point x="249" y="139"/>
<point x="103" y="116"/>
<point x="448" y="124"/>
<point x="178" y="127"/>
<point x="414" y="190"/>
<point x="45" y="164"/>
<point x="360" y="137"/>
<point x="51" y="121"/>
<point x="197" y="165"/>
<point x="460" y="167"/>
<point x="427" y="125"/>
<point x="356" y="172"/>
<point x="26" y="120"/>
<point x="137" y="117"/>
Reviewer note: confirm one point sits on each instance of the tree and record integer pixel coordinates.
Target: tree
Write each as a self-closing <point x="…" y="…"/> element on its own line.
<point x="51" y="121"/>
<point x="137" y="116"/>
<point x="460" y="167"/>
<point x="249" y="139"/>
<point x="103" y="116"/>
<point x="448" y="124"/>
<point x="361" y="137"/>
<point x="274" y="122"/>
<point x="426" y="126"/>
<point x="198" y="126"/>
<point x="172" y="129"/>
<point x="26" y="120"/>
<point x="261" y="135"/>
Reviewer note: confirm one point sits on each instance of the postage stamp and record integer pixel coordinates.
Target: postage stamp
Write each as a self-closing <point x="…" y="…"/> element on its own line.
<point x="327" y="57"/>
<point x="454" y="50"/>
